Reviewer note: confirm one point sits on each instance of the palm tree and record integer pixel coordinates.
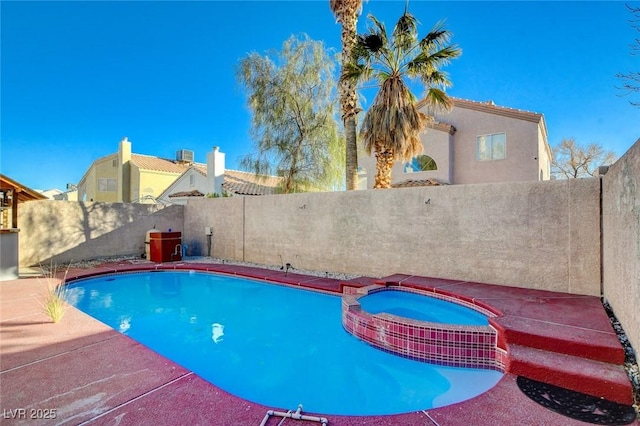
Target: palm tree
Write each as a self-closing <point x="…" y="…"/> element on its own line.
<point x="347" y="12"/>
<point x="392" y="125"/>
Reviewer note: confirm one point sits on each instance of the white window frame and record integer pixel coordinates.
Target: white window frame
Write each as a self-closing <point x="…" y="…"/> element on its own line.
<point x="491" y="139"/>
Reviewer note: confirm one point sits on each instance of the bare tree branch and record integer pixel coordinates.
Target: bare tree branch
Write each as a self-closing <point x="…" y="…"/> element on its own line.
<point x="631" y="80"/>
<point x="572" y="160"/>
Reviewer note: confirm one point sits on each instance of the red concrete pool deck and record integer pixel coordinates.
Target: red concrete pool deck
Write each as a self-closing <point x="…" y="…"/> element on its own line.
<point x="91" y="374"/>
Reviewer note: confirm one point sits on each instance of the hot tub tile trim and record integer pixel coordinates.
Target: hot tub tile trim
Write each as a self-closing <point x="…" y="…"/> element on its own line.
<point x="441" y="344"/>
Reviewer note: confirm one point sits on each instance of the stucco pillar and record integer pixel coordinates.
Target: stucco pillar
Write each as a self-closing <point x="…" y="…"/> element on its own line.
<point x="124" y="174"/>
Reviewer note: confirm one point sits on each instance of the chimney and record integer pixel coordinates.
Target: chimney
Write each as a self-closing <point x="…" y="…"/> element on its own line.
<point x="124" y="173"/>
<point x="215" y="170"/>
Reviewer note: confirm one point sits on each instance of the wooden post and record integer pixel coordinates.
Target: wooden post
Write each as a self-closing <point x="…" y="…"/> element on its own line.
<point x="14" y="208"/>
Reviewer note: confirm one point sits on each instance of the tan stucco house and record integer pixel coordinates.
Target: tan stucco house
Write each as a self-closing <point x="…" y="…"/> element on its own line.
<point x="477" y="142"/>
<point x="202" y="180"/>
<point x="125" y="177"/>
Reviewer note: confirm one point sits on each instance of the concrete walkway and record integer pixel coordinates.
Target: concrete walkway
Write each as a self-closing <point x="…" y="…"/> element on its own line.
<point x="80" y="371"/>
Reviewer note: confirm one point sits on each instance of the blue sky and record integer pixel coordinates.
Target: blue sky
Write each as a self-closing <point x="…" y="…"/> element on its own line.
<point x="76" y="77"/>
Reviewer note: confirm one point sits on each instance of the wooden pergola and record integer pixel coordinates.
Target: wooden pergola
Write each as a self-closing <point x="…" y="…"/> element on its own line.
<point x="11" y="194"/>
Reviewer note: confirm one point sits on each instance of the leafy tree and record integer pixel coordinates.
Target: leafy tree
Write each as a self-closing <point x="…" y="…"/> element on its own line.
<point x="572" y="160"/>
<point x="392" y="125"/>
<point x="292" y="101"/>
<point x="631" y="80"/>
<point x="347" y="12"/>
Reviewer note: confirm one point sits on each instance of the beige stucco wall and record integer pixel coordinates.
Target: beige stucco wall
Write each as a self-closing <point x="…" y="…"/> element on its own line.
<point x="152" y="183"/>
<point x="531" y="234"/>
<point x="621" y="241"/>
<point x="545" y="155"/>
<point x="225" y="216"/>
<point x="63" y="231"/>
<point x="520" y="164"/>
<point x="101" y="169"/>
<point x="134" y="181"/>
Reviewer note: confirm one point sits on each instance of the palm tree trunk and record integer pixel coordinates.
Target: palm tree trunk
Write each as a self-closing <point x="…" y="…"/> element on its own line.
<point x="348" y="95"/>
<point x="351" y="153"/>
<point x="384" y="166"/>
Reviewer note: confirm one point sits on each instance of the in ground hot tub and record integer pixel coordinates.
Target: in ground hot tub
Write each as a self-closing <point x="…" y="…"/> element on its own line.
<point x="420" y="307"/>
<point x="423" y="325"/>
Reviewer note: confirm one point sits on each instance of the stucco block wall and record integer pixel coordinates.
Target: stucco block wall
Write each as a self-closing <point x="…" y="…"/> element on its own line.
<point x="621" y="241"/>
<point x="63" y="231"/>
<point x="225" y="217"/>
<point x="543" y="235"/>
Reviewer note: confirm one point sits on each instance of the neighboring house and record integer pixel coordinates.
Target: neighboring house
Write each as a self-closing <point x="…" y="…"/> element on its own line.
<point x="50" y="193"/>
<point x="126" y="177"/>
<point x="71" y="194"/>
<point x="201" y="180"/>
<point x="477" y="142"/>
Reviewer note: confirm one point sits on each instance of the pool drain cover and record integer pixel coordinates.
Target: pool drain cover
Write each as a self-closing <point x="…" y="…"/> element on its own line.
<point x="577" y="405"/>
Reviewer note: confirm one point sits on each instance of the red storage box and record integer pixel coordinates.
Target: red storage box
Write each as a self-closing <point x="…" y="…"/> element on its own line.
<point x="165" y="246"/>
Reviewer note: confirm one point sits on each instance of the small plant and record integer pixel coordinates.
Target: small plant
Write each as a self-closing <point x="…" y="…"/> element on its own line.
<point x="53" y="303"/>
<point x="217" y="195"/>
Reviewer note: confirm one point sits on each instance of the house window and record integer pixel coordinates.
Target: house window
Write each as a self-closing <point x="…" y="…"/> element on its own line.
<point x="107" y="185"/>
<point x="492" y="147"/>
<point x="114" y="163"/>
<point x="421" y="163"/>
<point x="192" y="180"/>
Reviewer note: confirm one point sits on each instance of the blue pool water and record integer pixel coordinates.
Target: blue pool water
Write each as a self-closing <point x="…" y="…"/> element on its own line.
<point x="270" y="344"/>
<point x="420" y="307"/>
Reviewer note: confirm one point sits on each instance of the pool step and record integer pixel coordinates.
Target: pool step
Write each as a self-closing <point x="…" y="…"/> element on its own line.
<point x="581" y="342"/>
<point x="600" y="379"/>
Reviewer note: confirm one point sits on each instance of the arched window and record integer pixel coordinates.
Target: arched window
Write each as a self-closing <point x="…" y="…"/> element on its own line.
<point x="421" y="163"/>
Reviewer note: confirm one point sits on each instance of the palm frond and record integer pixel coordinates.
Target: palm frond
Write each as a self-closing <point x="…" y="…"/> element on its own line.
<point x="405" y="32"/>
<point x="379" y="27"/>
<point x="394" y="121"/>
<point x="446" y="54"/>
<point x="437" y="100"/>
<point x="436" y="79"/>
<point x="425" y="64"/>
<point x="356" y="72"/>
<point x="436" y="38"/>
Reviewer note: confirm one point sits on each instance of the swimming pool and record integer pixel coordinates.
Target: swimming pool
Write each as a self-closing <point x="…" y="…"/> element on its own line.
<point x="270" y="344"/>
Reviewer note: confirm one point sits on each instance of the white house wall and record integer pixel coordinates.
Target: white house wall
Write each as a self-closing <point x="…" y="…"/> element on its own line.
<point x="183" y="184"/>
